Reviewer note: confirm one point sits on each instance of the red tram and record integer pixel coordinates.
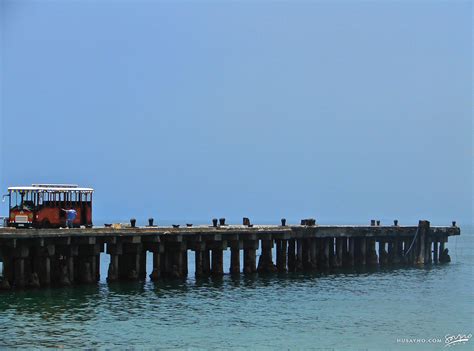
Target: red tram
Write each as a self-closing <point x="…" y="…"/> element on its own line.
<point x="43" y="205"/>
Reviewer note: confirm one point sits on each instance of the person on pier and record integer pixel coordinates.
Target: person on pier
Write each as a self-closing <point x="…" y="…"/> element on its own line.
<point x="70" y="217"/>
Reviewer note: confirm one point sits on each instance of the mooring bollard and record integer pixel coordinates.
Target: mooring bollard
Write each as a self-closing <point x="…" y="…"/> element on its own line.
<point x="372" y="222"/>
<point x="303" y="222"/>
<point x="245" y="221"/>
<point x="133" y="221"/>
<point x="175" y="225"/>
<point x="150" y="222"/>
<point x="454" y="223"/>
<point x="283" y="222"/>
<point x="395" y="222"/>
<point x="221" y="221"/>
<point x="214" y="222"/>
<point x="189" y="225"/>
<point x="378" y="223"/>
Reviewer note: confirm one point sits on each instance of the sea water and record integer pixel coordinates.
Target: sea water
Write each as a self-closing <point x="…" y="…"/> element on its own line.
<point x="393" y="309"/>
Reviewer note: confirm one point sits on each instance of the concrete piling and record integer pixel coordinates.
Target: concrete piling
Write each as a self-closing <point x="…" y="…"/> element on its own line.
<point x="292" y="255"/>
<point x="372" y="258"/>
<point x="235" y="247"/>
<point x="338" y="253"/>
<point x="299" y="255"/>
<point x="281" y="252"/>
<point x="250" y="256"/>
<point x="383" y="254"/>
<point x="435" y="251"/>
<point x="265" y="263"/>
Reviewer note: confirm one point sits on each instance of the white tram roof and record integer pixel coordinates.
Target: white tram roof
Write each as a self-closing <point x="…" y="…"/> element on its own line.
<point x="54" y="188"/>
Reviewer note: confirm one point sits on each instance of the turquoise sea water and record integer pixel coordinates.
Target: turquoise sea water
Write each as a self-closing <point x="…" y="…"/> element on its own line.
<point x="355" y="310"/>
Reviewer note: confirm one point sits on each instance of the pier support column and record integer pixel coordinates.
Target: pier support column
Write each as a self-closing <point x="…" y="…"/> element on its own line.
<point x="156" y="272"/>
<point x="299" y="255"/>
<point x="361" y="254"/>
<point x="339" y="254"/>
<point x="423" y="232"/>
<point x="71" y="257"/>
<point x="235" y="247"/>
<point x="332" y="254"/>
<point x="345" y="252"/>
<point x="217" y="263"/>
<point x="174" y="253"/>
<point x="114" y="250"/>
<point x="20" y="254"/>
<point x="409" y="254"/>
<point x="325" y="248"/>
<point x="250" y="256"/>
<point x="185" y="264"/>
<point x="428" y="252"/>
<point x="435" y="251"/>
<point x="87" y="263"/>
<point x="395" y="256"/>
<point x="132" y="264"/>
<point x="383" y="255"/>
<point x="281" y="252"/>
<point x="198" y="248"/>
<point x="306" y="255"/>
<point x="265" y="263"/>
<point x="64" y="264"/>
<point x="351" y="252"/>
<point x="7" y="261"/>
<point x="443" y="253"/>
<point x="142" y="264"/>
<point x="42" y="262"/>
<point x="372" y="258"/>
<point x="206" y="262"/>
<point x="314" y="253"/>
<point x="291" y="255"/>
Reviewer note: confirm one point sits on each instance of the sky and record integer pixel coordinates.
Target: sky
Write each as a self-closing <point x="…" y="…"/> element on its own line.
<point x="343" y="111"/>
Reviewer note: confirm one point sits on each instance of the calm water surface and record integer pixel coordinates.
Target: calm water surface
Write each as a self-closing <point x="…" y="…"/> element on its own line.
<point x="353" y="310"/>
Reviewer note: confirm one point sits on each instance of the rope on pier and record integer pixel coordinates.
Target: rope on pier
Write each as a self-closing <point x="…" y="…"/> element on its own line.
<point x="411" y="245"/>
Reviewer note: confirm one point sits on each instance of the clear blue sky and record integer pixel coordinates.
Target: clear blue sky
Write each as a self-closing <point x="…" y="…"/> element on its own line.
<point x="342" y="111"/>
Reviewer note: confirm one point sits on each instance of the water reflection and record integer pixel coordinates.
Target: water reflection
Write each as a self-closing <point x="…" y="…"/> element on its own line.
<point x="277" y="310"/>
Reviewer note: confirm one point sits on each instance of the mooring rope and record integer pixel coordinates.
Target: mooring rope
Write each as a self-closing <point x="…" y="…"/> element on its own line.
<point x="414" y="238"/>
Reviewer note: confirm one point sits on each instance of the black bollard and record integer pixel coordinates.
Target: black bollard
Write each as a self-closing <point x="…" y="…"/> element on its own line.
<point x="150" y="222"/>
<point x="378" y="223"/>
<point x="221" y="221"/>
<point x="133" y="221"/>
<point x="214" y="222"/>
<point x="189" y="225"/>
<point x="454" y="223"/>
<point x="395" y="222"/>
<point x="245" y="221"/>
<point x="303" y="222"/>
<point x="283" y="222"/>
<point x="372" y="222"/>
<point x="175" y="225"/>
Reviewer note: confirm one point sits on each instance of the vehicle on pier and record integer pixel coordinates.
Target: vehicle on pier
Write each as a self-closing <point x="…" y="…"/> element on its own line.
<point x="44" y="205"/>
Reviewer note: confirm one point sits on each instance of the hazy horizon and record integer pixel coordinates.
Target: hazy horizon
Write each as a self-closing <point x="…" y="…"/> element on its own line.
<point x="341" y="111"/>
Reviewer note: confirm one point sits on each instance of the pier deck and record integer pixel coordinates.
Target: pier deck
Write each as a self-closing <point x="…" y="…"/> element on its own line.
<point x="43" y="257"/>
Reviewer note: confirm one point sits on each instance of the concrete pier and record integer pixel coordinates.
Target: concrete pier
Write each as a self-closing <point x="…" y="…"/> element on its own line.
<point x="62" y="257"/>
